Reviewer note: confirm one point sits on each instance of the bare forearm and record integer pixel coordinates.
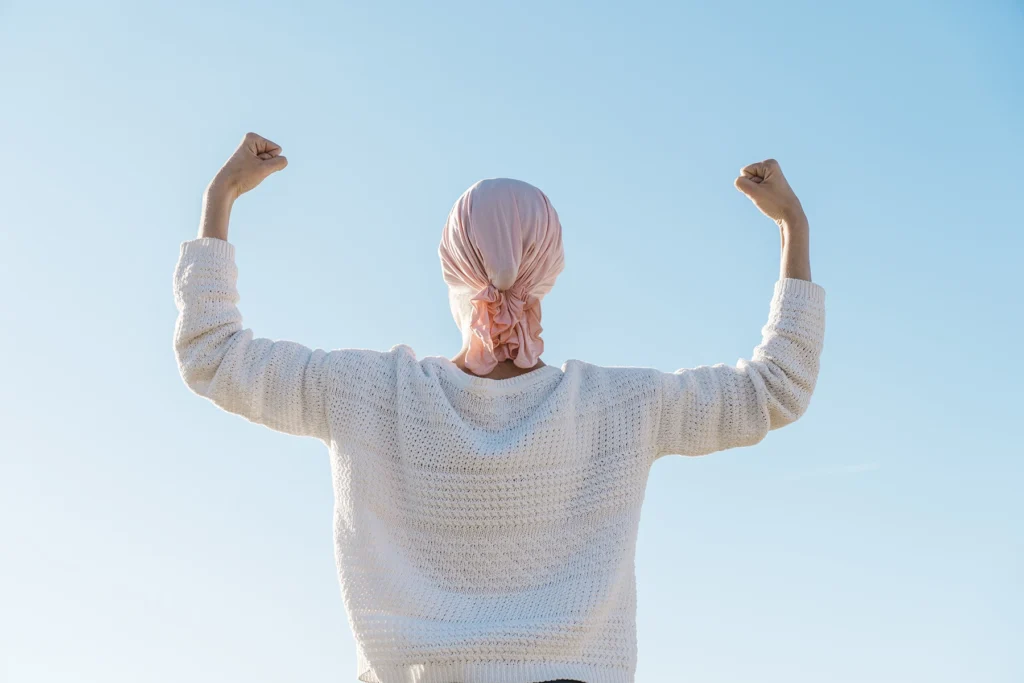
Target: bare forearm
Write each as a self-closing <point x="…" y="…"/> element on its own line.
<point x="217" y="203"/>
<point x="796" y="253"/>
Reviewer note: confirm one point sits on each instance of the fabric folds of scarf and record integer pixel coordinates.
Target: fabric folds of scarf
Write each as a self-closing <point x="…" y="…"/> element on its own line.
<point x="502" y="243"/>
<point x="508" y="327"/>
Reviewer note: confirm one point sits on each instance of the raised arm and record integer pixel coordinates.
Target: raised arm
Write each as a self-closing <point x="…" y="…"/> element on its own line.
<point x="714" y="407"/>
<point x="280" y="384"/>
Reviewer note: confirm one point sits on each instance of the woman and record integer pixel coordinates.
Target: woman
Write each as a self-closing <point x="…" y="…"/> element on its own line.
<point x="487" y="506"/>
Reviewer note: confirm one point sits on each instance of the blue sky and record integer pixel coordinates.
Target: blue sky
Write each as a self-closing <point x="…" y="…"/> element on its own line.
<point x="149" y="536"/>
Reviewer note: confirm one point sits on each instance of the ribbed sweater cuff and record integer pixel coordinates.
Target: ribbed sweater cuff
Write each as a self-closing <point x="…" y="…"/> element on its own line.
<point x="795" y="288"/>
<point x="208" y="246"/>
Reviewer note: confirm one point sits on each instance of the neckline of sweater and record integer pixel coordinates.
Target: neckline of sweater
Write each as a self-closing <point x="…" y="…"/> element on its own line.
<point x="468" y="381"/>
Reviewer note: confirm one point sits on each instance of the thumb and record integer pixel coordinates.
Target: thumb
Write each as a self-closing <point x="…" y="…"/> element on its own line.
<point x="273" y="165"/>
<point x="747" y="186"/>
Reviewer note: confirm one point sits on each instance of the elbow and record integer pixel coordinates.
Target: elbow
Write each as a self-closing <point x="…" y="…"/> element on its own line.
<point x="192" y="372"/>
<point x="199" y="356"/>
<point x="789" y="392"/>
<point x="197" y="364"/>
<point x="786" y="409"/>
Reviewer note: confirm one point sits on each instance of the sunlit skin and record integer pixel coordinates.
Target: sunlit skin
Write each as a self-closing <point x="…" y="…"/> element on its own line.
<point x="763" y="183"/>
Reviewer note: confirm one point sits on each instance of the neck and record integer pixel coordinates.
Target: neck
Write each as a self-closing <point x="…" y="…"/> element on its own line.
<point x="503" y="370"/>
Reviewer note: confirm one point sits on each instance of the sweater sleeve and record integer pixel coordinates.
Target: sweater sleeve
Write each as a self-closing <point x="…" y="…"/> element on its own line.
<point x="279" y="384"/>
<point x="714" y="407"/>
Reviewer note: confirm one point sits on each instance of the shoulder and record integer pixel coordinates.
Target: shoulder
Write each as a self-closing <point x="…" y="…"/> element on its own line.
<point x="366" y="369"/>
<point x="614" y="384"/>
<point x="611" y="373"/>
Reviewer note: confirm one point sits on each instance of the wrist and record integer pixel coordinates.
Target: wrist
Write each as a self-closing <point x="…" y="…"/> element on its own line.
<point x="220" y="191"/>
<point x="793" y="221"/>
<point x="218" y="200"/>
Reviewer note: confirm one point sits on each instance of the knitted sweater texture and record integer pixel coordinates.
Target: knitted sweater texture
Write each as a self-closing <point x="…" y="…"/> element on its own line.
<point x="485" y="530"/>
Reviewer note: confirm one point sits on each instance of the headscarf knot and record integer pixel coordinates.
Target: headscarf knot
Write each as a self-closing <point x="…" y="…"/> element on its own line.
<point x="498" y="321"/>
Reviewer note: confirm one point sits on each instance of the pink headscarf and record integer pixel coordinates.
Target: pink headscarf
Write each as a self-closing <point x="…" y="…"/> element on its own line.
<point x="501" y="251"/>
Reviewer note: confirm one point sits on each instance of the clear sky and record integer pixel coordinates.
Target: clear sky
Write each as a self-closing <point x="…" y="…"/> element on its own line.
<point x="147" y="536"/>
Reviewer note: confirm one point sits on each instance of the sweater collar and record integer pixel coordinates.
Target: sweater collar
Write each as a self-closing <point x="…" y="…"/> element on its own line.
<point x="465" y="380"/>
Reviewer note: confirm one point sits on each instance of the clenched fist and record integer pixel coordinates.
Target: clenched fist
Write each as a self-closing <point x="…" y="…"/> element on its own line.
<point x="765" y="185"/>
<point x="255" y="159"/>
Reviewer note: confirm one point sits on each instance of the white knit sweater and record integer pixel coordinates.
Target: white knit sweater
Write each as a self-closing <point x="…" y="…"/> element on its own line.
<point x="485" y="530"/>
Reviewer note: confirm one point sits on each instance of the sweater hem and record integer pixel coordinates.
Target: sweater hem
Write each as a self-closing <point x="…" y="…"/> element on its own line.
<point x="493" y="671"/>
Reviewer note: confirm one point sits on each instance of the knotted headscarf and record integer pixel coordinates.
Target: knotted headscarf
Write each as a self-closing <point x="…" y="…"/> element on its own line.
<point x="501" y="251"/>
